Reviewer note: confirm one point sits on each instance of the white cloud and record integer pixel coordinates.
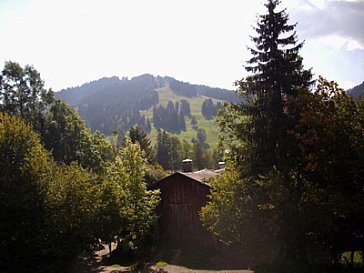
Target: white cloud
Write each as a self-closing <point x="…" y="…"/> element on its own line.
<point x="333" y="18"/>
<point x="336" y="42"/>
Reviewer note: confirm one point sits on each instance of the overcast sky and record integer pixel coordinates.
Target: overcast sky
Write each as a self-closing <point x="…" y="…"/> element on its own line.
<point x="71" y="42"/>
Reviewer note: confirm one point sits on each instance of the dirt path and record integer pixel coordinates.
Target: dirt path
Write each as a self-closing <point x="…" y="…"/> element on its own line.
<point x="181" y="269"/>
<point x="94" y="265"/>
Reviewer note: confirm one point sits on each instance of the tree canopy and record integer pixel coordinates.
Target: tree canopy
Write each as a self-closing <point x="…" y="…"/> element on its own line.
<point x="22" y="93"/>
<point x="62" y="188"/>
<point x="281" y="200"/>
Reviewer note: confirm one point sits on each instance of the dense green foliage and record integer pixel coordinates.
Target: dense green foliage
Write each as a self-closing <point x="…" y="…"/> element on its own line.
<point x="292" y="198"/>
<point x="72" y="210"/>
<point x="138" y="135"/>
<point x="22" y="93"/>
<point x="50" y="213"/>
<point x="56" y="204"/>
<point x="61" y="129"/>
<point x="47" y="211"/>
<point x="168" y="151"/>
<point x="171" y="152"/>
<point x="308" y="217"/>
<point x="23" y="192"/>
<point x="137" y="205"/>
<point x="70" y="140"/>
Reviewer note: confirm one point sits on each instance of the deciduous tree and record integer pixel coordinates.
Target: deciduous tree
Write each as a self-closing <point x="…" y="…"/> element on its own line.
<point x="128" y="172"/>
<point x="22" y="93"/>
<point x="23" y="208"/>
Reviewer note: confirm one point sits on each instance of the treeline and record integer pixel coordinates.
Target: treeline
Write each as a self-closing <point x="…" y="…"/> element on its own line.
<point x="182" y="88"/>
<point x="291" y="199"/>
<point x="218" y="93"/>
<point x="172" y="117"/>
<point x="192" y="90"/>
<point x="63" y="189"/>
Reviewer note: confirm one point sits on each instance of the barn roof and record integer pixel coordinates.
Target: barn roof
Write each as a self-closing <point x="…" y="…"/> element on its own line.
<point x="202" y="175"/>
<point x="199" y="176"/>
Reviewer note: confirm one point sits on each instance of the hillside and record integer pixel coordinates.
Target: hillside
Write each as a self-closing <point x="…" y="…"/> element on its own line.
<point x="110" y="104"/>
<point x="357" y="91"/>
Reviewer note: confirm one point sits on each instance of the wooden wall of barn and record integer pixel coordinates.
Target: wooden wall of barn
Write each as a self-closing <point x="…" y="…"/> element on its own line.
<point x="181" y="201"/>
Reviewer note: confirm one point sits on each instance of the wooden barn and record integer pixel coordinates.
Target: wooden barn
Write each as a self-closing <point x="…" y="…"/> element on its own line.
<point x="182" y="196"/>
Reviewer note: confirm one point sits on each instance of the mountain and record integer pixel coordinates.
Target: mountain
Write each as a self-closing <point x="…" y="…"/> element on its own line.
<point x="357" y="91"/>
<point x="110" y="104"/>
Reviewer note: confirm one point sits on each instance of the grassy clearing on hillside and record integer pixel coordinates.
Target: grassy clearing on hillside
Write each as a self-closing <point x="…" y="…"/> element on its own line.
<point x="210" y="126"/>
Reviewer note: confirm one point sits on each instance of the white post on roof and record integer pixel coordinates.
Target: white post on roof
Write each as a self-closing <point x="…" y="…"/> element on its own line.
<point x="187" y="165"/>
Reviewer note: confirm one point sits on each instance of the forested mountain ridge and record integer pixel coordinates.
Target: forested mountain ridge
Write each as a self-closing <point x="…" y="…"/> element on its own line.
<point x="110" y="104"/>
<point x="75" y="95"/>
<point x="357" y="91"/>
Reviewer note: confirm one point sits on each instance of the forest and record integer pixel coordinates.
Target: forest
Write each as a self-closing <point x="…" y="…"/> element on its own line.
<point x="291" y="197"/>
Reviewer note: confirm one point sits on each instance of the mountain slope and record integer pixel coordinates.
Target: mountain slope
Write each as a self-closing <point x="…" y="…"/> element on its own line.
<point x="76" y="94"/>
<point x="210" y="126"/>
<point x="112" y="104"/>
<point x="357" y="91"/>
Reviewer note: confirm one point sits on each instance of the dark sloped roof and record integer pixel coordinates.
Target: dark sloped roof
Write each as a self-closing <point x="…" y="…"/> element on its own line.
<point x="199" y="177"/>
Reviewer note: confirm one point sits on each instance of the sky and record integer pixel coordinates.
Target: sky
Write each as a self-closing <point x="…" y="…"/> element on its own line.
<point x="71" y="42"/>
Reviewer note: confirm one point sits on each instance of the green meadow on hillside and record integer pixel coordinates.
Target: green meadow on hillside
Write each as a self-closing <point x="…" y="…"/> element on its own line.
<point x="210" y="126"/>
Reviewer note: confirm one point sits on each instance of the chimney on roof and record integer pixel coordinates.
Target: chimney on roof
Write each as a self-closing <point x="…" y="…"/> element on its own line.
<point x="221" y="165"/>
<point x="187" y="165"/>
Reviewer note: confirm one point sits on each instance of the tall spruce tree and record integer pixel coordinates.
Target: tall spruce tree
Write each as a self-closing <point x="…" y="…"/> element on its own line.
<point x="163" y="153"/>
<point x="259" y="196"/>
<point x="276" y="74"/>
<point x="137" y="134"/>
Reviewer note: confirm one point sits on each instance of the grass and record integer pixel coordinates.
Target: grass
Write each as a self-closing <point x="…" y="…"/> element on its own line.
<point x="210" y="126"/>
<point x="160" y="264"/>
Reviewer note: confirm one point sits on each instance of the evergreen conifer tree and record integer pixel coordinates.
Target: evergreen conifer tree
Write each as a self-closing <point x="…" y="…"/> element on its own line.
<point x="137" y="134"/>
<point x="276" y="76"/>
<point x="263" y="210"/>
